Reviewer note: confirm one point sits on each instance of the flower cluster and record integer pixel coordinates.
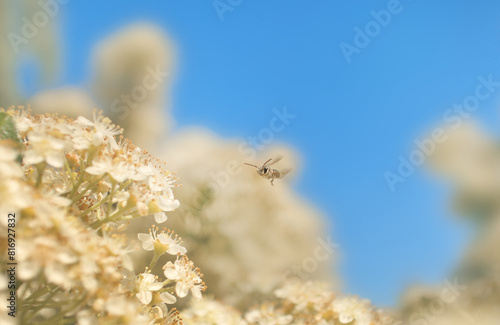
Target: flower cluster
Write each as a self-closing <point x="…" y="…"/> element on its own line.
<point x="181" y="276"/>
<point x="211" y="312"/>
<point x="98" y="174"/>
<point x="131" y="73"/>
<point x="312" y="303"/>
<point x="470" y="160"/>
<point x="297" y="303"/>
<point x="72" y="185"/>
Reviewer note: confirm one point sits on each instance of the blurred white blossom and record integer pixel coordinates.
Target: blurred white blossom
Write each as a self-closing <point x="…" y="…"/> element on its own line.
<point x="237" y="223"/>
<point x="70" y="101"/>
<point x="132" y="70"/>
<point x="313" y="303"/>
<point x="70" y="213"/>
<point x="469" y="159"/>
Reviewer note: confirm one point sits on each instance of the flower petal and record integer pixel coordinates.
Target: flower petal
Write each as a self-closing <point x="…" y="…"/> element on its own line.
<point x="171" y="274"/>
<point x="168" y="298"/>
<point x="160" y="217"/>
<point x="148" y="245"/>
<point x="181" y="289"/>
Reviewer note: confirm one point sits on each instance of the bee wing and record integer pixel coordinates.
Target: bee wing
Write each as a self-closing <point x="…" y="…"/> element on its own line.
<point x="285" y="171"/>
<point x="275" y="160"/>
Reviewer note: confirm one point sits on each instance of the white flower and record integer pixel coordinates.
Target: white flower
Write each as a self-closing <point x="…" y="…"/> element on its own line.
<point x="43" y="147"/>
<point x="101" y="129"/>
<point x="268" y="315"/>
<point x="8" y="166"/>
<point x="22" y="120"/>
<point x="209" y="311"/>
<point x="158" y="181"/>
<point x="117" y="306"/>
<point x="118" y="169"/>
<point x="167" y="204"/>
<point x="187" y="277"/>
<point x="351" y="309"/>
<point x="160" y="217"/>
<point x="146" y="283"/>
<point x="15" y="196"/>
<point x="163" y="242"/>
<point x="308" y="295"/>
<point x="86" y="317"/>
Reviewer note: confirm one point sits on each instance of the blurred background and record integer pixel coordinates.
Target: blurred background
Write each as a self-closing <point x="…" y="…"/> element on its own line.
<point x="348" y="92"/>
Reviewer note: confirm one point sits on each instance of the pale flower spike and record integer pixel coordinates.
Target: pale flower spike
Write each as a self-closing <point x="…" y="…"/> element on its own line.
<point x="69" y="187"/>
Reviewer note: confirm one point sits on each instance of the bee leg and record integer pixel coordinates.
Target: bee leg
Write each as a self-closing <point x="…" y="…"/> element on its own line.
<point x="272" y="180"/>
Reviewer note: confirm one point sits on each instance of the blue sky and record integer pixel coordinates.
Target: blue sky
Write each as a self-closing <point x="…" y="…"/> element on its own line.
<point x="353" y="119"/>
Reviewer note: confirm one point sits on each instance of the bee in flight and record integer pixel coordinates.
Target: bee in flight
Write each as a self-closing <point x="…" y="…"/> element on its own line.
<point x="268" y="172"/>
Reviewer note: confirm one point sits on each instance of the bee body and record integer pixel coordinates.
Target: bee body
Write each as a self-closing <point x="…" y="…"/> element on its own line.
<point x="268" y="172"/>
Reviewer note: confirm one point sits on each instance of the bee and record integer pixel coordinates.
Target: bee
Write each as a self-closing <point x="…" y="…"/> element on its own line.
<point x="268" y="172"/>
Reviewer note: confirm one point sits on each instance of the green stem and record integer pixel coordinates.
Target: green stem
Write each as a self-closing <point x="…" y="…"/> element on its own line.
<point x="125" y="184"/>
<point x="40" y="292"/>
<point x="106" y="199"/>
<point x="75" y="187"/>
<point x="41" y="306"/>
<point x="95" y="206"/>
<point x="27" y="286"/>
<point x="116" y="215"/>
<point x="80" y="179"/>
<point x="90" y="155"/>
<point x="70" y="173"/>
<point x="166" y="283"/>
<point x="40" y="169"/>
<point x="113" y="191"/>
<point x="92" y="184"/>
<point x="154" y="261"/>
<point x="59" y="315"/>
<point x="109" y="218"/>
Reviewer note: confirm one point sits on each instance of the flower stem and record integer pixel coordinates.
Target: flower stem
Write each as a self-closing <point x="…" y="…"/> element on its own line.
<point x="92" y="184"/>
<point x="40" y="168"/>
<point x="70" y="173"/>
<point x="154" y="261"/>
